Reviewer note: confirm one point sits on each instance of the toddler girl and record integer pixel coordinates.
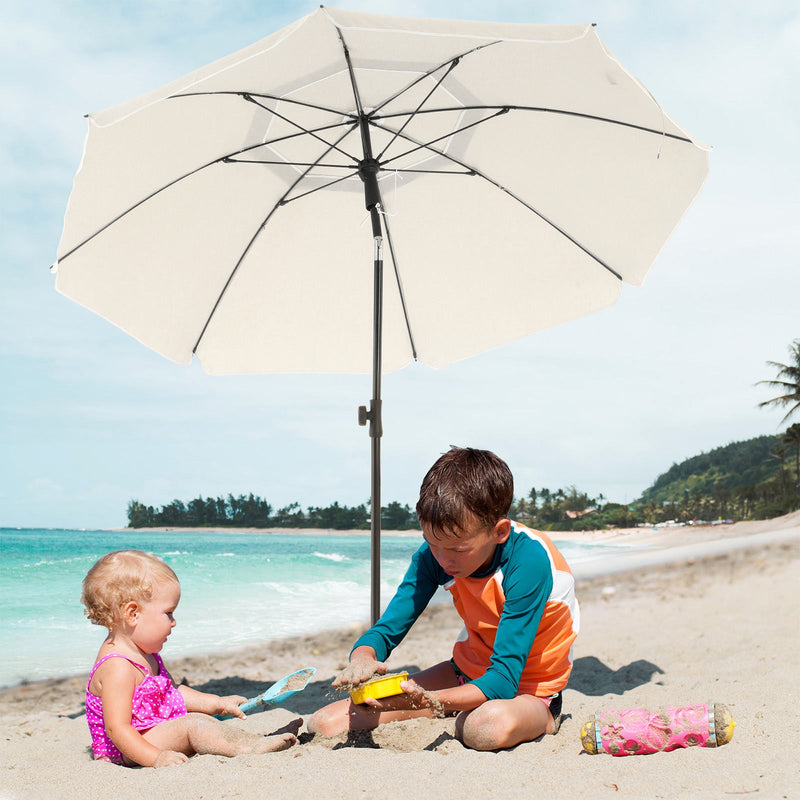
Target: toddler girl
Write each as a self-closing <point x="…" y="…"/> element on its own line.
<point x="136" y="713"/>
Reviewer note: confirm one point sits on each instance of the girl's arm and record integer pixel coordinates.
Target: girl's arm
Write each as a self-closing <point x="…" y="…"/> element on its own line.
<point x="211" y="703"/>
<point x="117" y="683"/>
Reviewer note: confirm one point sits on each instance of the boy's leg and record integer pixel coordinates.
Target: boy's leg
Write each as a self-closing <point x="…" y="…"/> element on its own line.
<point x="199" y="733"/>
<point x="344" y="715"/>
<point x="498" y="724"/>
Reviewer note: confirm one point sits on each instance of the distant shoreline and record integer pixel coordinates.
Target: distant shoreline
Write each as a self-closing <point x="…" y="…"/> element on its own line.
<point x="650" y="536"/>
<point x="288" y="531"/>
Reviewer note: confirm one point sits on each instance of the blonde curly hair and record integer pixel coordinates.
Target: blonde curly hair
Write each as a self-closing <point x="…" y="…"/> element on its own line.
<point x="119" y="578"/>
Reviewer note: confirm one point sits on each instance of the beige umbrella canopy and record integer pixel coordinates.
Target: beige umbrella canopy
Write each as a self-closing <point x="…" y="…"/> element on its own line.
<point x="512" y="176"/>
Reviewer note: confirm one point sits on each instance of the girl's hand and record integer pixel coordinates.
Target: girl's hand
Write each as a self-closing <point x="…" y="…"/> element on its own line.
<point x="170" y="758"/>
<point x="229" y="706"/>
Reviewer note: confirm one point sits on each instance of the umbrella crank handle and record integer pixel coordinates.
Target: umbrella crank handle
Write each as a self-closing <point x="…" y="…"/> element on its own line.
<point x="374" y="419"/>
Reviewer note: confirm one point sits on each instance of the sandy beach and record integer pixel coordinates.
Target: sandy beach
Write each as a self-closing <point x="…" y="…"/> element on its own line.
<point x="702" y="615"/>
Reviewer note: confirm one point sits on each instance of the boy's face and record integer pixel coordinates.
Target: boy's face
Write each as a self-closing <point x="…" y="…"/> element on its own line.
<point x="467" y="550"/>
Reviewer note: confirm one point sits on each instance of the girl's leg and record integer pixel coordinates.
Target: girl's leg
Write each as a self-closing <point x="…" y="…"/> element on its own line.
<point x="344" y="715"/>
<point x="199" y="733"/>
<point x="498" y="724"/>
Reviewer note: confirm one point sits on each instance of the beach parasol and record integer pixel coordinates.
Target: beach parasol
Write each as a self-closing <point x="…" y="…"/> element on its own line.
<point x="512" y="177"/>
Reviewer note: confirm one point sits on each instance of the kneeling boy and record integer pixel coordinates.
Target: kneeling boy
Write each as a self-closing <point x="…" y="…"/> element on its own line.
<point x="515" y="594"/>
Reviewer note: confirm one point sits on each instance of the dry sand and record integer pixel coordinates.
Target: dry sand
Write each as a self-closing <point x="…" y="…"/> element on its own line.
<point x="705" y="615"/>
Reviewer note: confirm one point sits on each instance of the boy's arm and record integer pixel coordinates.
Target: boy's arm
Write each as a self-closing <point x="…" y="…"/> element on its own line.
<point x="528" y="584"/>
<point x="442" y="701"/>
<point x="411" y="598"/>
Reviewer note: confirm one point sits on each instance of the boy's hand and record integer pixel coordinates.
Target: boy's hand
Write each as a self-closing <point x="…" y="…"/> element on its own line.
<point x="413" y="697"/>
<point x="359" y="671"/>
<point x="416" y="695"/>
<point x="229" y="706"/>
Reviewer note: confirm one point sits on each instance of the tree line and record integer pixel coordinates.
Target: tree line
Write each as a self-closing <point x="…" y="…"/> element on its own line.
<point x="251" y="511"/>
<point x="687" y="498"/>
<point x="756" y="479"/>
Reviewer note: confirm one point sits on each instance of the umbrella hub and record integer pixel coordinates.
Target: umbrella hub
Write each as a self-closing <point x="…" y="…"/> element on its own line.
<point x="368" y="169"/>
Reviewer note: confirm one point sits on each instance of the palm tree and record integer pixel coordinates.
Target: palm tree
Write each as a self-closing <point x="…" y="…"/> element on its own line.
<point x="779" y="452"/>
<point x="792" y="438"/>
<point x="787" y="381"/>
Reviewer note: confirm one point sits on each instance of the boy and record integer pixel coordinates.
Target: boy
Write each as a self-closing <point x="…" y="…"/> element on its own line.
<point x="516" y="596"/>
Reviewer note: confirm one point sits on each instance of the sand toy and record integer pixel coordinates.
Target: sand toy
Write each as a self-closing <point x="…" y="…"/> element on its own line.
<point x="385" y="686"/>
<point x="638" y="731"/>
<point x="281" y="690"/>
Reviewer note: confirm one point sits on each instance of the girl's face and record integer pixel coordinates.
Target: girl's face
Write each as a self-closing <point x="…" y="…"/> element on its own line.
<point x="153" y="620"/>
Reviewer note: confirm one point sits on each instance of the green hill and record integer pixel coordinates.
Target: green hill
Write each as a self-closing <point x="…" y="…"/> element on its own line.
<point x="734" y="466"/>
<point x="742" y="480"/>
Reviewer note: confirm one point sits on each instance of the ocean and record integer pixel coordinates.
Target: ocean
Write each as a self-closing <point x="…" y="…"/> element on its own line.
<point x="236" y="589"/>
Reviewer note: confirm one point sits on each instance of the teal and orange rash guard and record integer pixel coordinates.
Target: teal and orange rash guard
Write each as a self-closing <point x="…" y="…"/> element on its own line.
<point x="520" y="616"/>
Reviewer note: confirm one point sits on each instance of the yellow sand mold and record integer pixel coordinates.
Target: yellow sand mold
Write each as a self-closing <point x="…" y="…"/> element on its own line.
<point x="385" y="686"/>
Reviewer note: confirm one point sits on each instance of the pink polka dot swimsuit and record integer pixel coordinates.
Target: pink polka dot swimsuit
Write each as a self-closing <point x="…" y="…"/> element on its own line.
<point x="155" y="700"/>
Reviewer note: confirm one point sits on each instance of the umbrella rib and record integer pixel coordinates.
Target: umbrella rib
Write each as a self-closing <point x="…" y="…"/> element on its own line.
<point x="282" y="201"/>
<point x="424" y="100"/>
<point x="284" y="163"/>
<point x="311" y="132"/>
<point x="498" y="113"/>
<point x="478" y="173"/>
<point x="263" y="96"/>
<point x="466" y="171"/>
<point x="351" y="73"/>
<point x="228" y="158"/>
<point x="451" y="61"/>
<point x="150" y="196"/>
<point x="400" y="288"/>
<point x="301" y="132"/>
<point x="544" y="110"/>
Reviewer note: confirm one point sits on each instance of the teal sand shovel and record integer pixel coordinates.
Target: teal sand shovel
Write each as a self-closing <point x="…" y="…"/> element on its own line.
<point x="280" y="691"/>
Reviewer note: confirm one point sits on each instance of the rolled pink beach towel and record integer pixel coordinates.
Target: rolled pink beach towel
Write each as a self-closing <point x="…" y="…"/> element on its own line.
<point x="639" y="731"/>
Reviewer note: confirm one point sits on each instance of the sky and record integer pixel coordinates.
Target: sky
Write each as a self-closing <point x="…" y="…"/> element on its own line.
<point x="90" y="418"/>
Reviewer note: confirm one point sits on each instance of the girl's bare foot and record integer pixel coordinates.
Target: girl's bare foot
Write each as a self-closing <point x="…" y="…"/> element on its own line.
<point x="276" y="742"/>
<point x="281" y="739"/>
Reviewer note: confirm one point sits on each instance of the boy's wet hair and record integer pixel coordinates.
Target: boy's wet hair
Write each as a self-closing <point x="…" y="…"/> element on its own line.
<point x="117" y="579"/>
<point x="465" y="482"/>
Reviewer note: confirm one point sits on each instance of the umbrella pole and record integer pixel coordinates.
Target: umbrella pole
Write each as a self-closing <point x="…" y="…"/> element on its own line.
<point x="376" y="430"/>
<point x="368" y="170"/>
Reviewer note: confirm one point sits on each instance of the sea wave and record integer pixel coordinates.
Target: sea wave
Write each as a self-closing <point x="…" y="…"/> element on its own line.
<point x="337" y="557"/>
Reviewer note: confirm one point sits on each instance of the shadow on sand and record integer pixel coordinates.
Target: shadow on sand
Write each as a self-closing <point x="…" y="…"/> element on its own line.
<point x="590" y="676"/>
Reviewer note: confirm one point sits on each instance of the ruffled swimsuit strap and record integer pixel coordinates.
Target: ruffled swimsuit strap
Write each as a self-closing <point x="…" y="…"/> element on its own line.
<point x="160" y="663"/>
<point x="100" y="661"/>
